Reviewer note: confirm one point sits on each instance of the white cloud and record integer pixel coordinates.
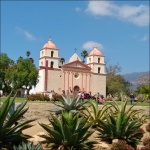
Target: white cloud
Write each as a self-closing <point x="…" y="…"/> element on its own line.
<point x="78" y="9"/>
<point x="27" y="35"/>
<point x="89" y="45"/>
<point x="138" y="15"/>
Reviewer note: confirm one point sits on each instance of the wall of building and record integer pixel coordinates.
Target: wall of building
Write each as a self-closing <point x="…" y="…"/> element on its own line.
<point x="40" y="86"/>
<point x="54" y="80"/>
<point x="98" y="84"/>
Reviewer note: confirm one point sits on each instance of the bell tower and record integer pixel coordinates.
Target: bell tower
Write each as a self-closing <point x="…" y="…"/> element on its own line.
<point x="49" y="55"/>
<point x="95" y="60"/>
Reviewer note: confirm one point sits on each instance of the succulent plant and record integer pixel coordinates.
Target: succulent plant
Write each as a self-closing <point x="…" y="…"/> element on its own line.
<point x="70" y="104"/>
<point x="93" y="112"/>
<point x="10" y="127"/>
<point x="70" y="132"/>
<point x="27" y="146"/>
<point x="122" y="125"/>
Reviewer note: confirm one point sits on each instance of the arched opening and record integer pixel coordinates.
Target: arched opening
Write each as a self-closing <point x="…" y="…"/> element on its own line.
<point x="98" y="60"/>
<point x="52" y="63"/>
<point x="99" y="69"/>
<point x="76" y="88"/>
<point x="52" y="53"/>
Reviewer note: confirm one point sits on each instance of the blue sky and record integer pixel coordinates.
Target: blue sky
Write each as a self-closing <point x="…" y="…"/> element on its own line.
<point x="119" y="29"/>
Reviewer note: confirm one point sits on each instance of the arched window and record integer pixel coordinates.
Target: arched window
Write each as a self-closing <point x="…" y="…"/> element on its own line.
<point x="99" y="69"/>
<point x="41" y="63"/>
<point x="42" y="53"/>
<point x="52" y="64"/>
<point x="98" y="60"/>
<point x="52" y="53"/>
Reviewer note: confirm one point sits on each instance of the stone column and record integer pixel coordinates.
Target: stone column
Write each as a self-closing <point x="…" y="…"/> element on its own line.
<point x="64" y="80"/>
<point x="68" y="79"/>
<point x="85" y="82"/>
<point x="89" y="82"/>
<point x="72" y="80"/>
<point x="81" y="81"/>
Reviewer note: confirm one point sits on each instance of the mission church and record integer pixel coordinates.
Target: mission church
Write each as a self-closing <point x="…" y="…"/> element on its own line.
<point x="75" y="75"/>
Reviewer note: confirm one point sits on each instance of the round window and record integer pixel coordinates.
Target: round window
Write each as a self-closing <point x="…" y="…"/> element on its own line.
<point x="76" y="75"/>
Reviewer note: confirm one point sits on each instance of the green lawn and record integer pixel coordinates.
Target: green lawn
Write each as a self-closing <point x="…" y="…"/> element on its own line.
<point x="138" y="103"/>
<point x="18" y="99"/>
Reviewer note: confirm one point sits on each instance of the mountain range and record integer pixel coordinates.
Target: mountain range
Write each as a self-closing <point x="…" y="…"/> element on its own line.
<point x="137" y="78"/>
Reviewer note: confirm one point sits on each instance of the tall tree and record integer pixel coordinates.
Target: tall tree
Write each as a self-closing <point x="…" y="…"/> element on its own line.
<point x="22" y="75"/>
<point x="5" y="63"/>
<point x="62" y="60"/>
<point x="115" y="83"/>
<point x="84" y="54"/>
<point x="143" y="89"/>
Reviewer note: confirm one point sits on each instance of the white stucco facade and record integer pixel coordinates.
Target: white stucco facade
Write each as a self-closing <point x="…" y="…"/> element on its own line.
<point x="88" y="77"/>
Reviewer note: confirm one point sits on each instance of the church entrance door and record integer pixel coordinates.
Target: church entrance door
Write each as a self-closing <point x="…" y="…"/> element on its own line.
<point x="76" y="88"/>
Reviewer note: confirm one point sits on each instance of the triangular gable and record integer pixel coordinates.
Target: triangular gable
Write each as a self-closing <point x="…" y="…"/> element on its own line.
<point x="76" y="64"/>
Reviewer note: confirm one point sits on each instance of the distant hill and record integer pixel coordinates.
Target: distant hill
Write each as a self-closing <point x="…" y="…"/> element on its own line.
<point x="137" y="78"/>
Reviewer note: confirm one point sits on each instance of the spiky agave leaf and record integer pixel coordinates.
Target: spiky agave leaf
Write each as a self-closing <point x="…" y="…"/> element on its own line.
<point x="68" y="132"/>
<point x="10" y="132"/>
<point x="70" y="104"/>
<point x="94" y="112"/>
<point x="120" y="125"/>
<point x="27" y="146"/>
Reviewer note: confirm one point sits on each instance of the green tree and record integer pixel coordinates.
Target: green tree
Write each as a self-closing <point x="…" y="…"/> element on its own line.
<point x="84" y="54"/>
<point x="143" y="89"/>
<point x="115" y="83"/>
<point x="5" y="63"/>
<point x="22" y="75"/>
<point x="62" y="60"/>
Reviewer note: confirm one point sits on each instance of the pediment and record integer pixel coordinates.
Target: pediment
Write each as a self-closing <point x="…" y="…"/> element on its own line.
<point x="76" y="65"/>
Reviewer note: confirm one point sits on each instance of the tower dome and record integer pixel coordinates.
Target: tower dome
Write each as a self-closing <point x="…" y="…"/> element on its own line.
<point x="50" y="44"/>
<point x="95" y="51"/>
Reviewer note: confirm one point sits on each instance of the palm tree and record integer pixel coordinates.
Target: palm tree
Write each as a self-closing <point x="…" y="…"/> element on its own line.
<point x="28" y="54"/>
<point x="62" y="60"/>
<point x="84" y="54"/>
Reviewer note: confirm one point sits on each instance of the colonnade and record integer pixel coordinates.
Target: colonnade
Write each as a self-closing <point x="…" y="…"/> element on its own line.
<point x="82" y="80"/>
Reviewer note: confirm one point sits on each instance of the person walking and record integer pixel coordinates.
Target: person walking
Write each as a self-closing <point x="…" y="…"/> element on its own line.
<point x="131" y="98"/>
<point x="101" y="99"/>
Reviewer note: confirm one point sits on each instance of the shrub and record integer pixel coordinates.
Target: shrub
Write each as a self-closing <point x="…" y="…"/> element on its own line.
<point x="38" y="97"/>
<point x="121" y="145"/>
<point x="56" y="97"/>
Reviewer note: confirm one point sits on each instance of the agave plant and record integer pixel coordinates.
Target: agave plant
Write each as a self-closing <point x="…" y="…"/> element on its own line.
<point x="94" y="112"/>
<point x="123" y="124"/>
<point x="27" y="146"/>
<point x="70" y="132"/>
<point x="70" y="104"/>
<point x="10" y="128"/>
